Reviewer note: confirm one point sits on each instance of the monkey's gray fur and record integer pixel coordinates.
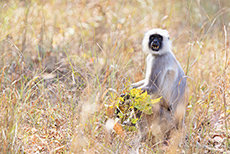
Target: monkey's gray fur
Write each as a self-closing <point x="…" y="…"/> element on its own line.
<point x="164" y="77"/>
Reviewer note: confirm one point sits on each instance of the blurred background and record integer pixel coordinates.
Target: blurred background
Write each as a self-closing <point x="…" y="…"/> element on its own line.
<point x="59" y="58"/>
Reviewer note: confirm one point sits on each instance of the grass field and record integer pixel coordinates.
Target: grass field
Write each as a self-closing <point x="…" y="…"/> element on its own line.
<point x="63" y="62"/>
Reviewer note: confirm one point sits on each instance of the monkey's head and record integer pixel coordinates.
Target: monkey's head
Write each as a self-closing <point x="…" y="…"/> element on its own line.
<point x="157" y="42"/>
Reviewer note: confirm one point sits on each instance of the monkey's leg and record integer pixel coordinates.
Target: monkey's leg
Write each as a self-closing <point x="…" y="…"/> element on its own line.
<point x="159" y="123"/>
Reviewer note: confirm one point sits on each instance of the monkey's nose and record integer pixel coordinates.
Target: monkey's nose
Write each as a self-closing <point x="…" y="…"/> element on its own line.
<point x="154" y="43"/>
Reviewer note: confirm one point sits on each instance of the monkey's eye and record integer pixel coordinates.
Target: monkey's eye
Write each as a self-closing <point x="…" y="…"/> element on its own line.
<point x="151" y="37"/>
<point x="160" y="38"/>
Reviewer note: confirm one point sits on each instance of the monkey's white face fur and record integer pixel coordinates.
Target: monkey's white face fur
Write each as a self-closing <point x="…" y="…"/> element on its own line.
<point x="166" y="43"/>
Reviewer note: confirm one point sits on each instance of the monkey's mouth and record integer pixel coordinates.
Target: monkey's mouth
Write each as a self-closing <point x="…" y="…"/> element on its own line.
<point x="155" y="47"/>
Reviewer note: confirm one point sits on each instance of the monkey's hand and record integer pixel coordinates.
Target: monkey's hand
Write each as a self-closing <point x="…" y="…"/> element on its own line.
<point x="150" y="90"/>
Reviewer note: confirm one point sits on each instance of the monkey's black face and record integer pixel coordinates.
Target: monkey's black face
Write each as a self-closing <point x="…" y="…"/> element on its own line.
<point x="155" y="42"/>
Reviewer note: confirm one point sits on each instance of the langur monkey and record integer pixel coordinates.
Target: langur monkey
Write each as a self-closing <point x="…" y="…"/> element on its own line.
<point x="164" y="78"/>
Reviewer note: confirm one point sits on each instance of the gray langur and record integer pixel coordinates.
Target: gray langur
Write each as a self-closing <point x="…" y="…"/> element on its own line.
<point x="164" y="78"/>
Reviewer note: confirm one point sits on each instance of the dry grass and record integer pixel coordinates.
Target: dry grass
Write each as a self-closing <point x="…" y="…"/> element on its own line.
<point x="58" y="60"/>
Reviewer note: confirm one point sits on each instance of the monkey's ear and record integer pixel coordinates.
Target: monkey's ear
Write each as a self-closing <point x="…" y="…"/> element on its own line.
<point x="168" y="38"/>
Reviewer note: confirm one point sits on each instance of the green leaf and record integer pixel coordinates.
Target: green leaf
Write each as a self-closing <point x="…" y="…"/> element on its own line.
<point x="134" y="120"/>
<point x="121" y="99"/>
<point x="154" y="101"/>
<point x="120" y="115"/>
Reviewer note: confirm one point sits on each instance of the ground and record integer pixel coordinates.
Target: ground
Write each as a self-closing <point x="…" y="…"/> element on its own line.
<point x="64" y="63"/>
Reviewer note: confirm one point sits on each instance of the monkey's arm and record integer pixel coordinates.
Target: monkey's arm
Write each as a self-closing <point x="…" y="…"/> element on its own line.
<point x="137" y="84"/>
<point x="153" y="81"/>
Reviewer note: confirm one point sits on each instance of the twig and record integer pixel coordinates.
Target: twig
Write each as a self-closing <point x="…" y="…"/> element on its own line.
<point x="25" y="27"/>
<point x="224" y="87"/>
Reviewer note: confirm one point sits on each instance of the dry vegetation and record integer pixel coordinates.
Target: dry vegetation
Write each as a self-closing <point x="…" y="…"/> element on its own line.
<point x="60" y="61"/>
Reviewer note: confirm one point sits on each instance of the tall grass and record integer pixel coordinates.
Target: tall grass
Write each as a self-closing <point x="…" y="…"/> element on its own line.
<point x="59" y="58"/>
